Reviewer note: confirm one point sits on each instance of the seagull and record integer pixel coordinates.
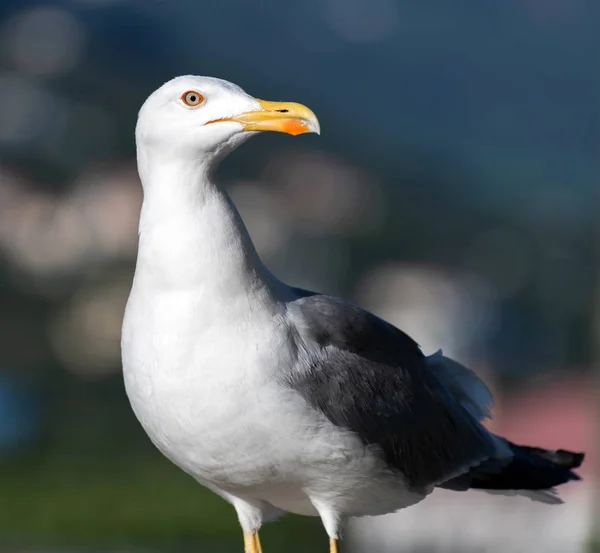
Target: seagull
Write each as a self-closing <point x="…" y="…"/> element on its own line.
<point x="278" y="399"/>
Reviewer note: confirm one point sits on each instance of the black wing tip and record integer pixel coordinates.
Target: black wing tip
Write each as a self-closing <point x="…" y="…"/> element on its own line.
<point x="532" y="468"/>
<point x="560" y="457"/>
<point x="570" y="459"/>
<point x="560" y="463"/>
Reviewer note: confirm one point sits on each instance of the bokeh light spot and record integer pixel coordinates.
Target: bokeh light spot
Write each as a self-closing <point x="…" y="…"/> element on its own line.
<point x="44" y="40"/>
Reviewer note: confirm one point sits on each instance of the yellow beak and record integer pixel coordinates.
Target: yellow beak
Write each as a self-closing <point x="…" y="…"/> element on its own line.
<point x="287" y="117"/>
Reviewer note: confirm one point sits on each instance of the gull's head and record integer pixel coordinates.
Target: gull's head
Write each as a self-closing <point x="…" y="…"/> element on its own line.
<point x="208" y="117"/>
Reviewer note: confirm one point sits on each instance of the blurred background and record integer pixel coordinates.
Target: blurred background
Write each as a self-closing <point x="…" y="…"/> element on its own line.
<point x="454" y="191"/>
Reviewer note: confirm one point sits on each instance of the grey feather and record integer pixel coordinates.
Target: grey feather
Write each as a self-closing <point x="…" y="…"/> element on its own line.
<point x="367" y="376"/>
<point x="464" y="385"/>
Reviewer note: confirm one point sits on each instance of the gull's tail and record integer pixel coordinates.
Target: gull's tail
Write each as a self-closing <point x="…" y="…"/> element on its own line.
<point x="516" y="469"/>
<point x="532" y="471"/>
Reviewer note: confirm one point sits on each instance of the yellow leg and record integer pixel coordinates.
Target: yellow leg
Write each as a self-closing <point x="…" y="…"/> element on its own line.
<point x="333" y="546"/>
<point x="251" y="543"/>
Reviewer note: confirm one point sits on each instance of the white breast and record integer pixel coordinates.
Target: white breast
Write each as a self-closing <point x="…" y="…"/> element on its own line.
<point x="202" y="389"/>
<point x="209" y="397"/>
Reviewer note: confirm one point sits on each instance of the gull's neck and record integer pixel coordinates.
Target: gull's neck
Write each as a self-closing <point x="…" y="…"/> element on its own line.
<point x="192" y="236"/>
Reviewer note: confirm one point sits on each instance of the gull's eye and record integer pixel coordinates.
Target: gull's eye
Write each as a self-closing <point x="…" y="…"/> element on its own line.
<point x="192" y="98"/>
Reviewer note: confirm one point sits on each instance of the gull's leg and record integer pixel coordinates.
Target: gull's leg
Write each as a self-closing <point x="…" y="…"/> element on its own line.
<point x="251" y="542"/>
<point x="250" y="515"/>
<point x="332" y="520"/>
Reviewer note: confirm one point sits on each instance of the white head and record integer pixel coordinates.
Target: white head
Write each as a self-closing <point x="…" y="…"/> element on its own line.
<point x="204" y="117"/>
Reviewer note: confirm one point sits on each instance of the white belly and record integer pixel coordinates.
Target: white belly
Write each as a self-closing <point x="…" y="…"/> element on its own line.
<point x="211" y="401"/>
<point x="204" y="397"/>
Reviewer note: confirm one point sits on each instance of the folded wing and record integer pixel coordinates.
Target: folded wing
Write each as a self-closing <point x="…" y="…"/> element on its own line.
<point x="370" y="378"/>
<point x="422" y="413"/>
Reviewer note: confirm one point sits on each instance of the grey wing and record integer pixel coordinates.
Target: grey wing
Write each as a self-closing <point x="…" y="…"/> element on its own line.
<point x="367" y="376"/>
